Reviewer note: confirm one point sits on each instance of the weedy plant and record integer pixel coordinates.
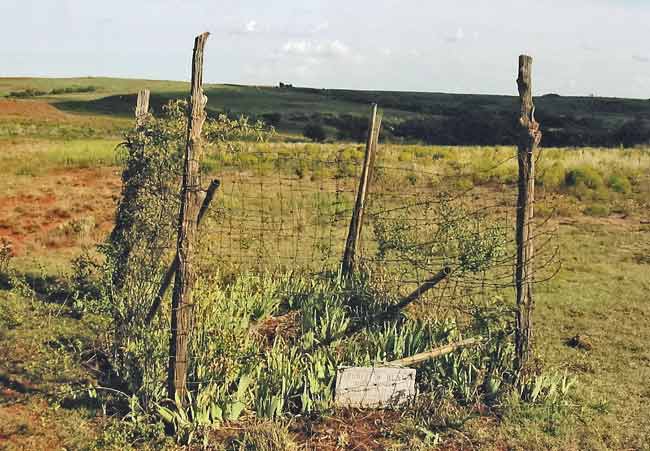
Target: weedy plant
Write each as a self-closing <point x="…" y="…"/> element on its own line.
<point x="466" y="241"/>
<point x="140" y="248"/>
<point x="6" y="254"/>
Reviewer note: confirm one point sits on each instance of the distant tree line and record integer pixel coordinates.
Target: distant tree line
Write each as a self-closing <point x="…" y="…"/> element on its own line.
<point x="32" y="92"/>
<point x="457" y="119"/>
<point x="501" y="129"/>
<point x="479" y="129"/>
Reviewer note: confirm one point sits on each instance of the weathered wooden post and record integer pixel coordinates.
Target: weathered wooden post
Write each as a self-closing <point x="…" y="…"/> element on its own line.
<point x="171" y="271"/>
<point x="356" y="223"/>
<point x="529" y="140"/>
<point x="142" y="105"/>
<point x="182" y="306"/>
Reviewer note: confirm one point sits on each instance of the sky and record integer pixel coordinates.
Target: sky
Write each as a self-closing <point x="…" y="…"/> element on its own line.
<point x="580" y="47"/>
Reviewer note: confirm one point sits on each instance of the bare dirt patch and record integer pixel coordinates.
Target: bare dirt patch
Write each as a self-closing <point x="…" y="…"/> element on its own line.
<point x="31" y="109"/>
<point x="352" y="429"/>
<point x="61" y="209"/>
<point x="24" y="428"/>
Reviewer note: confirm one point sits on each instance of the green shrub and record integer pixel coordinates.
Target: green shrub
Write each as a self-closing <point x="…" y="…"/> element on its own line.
<point x="584" y="176"/>
<point x="545" y="387"/>
<point x="597" y="210"/>
<point x="324" y="317"/>
<point x="139" y="250"/>
<point x="392" y="341"/>
<point x="464" y="241"/>
<point x="463" y="184"/>
<point x="553" y="177"/>
<point x="314" y="131"/>
<point x="406" y="155"/>
<point x="6" y="255"/>
<point x="619" y="184"/>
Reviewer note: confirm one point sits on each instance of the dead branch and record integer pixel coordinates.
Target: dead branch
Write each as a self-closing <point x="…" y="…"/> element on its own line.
<point x="443" y="350"/>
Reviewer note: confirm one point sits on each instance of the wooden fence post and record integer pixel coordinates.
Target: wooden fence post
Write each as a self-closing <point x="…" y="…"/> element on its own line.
<point x="356" y="223"/>
<point x="142" y="105"/>
<point x="529" y="140"/>
<point x="171" y="271"/>
<point x="182" y="306"/>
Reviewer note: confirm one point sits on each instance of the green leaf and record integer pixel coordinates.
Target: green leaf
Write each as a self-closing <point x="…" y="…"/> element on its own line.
<point x="235" y="410"/>
<point x="217" y="413"/>
<point x="244" y="383"/>
<point x="166" y="414"/>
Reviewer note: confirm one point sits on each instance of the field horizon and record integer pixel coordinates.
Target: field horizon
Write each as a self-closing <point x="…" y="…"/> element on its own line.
<point x="7" y="80"/>
<point x="410" y="116"/>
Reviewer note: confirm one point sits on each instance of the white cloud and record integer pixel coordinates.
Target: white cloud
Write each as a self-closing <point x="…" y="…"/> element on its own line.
<point x="305" y="47"/>
<point x="321" y="27"/>
<point x="296" y="47"/>
<point x="641" y="58"/>
<point x="457" y="37"/>
<point x="338" y="48"/>
<point x="251" y="27"/>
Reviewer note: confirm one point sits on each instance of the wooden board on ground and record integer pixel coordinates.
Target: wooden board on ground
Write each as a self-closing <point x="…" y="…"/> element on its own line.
<point x="374" y="387"/>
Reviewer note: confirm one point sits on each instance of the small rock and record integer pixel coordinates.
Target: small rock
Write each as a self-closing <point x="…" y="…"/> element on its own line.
<point x="580" y="342"/>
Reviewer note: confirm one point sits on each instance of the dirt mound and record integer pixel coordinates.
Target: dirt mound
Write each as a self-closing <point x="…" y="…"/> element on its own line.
<point x="30" y="109"/>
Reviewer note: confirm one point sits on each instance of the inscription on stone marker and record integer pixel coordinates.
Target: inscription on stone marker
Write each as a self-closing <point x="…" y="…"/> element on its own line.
<point x="374" y="387"/>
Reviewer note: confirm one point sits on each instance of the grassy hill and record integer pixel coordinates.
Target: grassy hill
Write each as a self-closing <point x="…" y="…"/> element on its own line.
<point x="433" y="118"/>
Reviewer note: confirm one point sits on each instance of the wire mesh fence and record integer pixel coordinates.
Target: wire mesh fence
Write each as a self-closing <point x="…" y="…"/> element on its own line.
<point x="438" y="228"/>
<point x="289" y="208"/>
<point x="285" y="210"/>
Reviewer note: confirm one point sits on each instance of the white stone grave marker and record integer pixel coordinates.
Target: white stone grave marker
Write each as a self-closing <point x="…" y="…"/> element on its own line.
<point x="374" y="387"/>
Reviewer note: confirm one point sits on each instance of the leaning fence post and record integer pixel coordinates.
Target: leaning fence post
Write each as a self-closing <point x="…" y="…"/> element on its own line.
<point x="356" y="223"/>
<point x="182" y="306"/>
<point x="530" y="137"/>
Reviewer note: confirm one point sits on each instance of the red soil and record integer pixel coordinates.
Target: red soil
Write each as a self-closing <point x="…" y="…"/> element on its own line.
<point x="28" y="220"/>
<point x="30" y="109"/>
<point x="26" y="427"/>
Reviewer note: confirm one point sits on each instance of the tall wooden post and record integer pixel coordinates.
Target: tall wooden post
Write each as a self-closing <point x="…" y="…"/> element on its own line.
<point x="356" y="222"/>
<point x="530" y="137"/>
<point x="182" y="306"/>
